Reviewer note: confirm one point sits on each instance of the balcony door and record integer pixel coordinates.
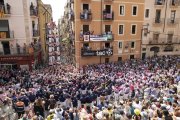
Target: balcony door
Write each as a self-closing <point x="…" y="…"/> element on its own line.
<point x="158" y="16"/>
<point x="85" y="29"/>
<point x="85" y="6"/>
<point x="6" y="47"/>
<point x="108" y="8"/>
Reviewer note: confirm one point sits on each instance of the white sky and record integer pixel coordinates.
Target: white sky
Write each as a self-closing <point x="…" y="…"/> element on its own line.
<point x="57" y="8"/>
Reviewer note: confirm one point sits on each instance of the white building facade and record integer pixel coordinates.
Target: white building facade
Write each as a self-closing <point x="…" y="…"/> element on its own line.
<point x="160" y="32"/>
<point x="19" y="33"/>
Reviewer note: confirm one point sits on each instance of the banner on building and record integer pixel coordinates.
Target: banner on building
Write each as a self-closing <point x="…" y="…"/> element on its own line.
<point x="86" y="38"/>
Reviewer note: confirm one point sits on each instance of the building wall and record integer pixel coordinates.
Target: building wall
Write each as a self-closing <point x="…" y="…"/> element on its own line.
<point x="97" y="25"/>
<point x="164" y="29"/>
<point x="20" y="23"/>
<point x="45" y="16"/>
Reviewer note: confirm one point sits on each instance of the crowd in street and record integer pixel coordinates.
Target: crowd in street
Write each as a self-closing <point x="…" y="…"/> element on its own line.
<point x="135" y="89"/>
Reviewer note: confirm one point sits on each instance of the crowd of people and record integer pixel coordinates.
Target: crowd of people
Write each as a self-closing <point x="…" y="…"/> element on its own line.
<point x="131" y="90"/>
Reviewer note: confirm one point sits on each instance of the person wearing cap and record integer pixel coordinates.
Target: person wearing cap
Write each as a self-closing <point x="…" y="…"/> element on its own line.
<point x="137" y="115"/>
<point x="51" y="115"/>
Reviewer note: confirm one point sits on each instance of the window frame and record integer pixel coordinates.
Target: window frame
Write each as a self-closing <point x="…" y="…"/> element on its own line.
<point x="133" y="10"/>
<point x="120" y="10"/>
<point x="119" y="29"/>
<point x="121" y="45"/>
<point x="146" y="12"/>
<point x="135" y="29"/>
<point x="134" y="45"/>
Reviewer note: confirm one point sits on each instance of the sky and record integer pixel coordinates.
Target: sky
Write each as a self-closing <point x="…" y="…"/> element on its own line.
<point x="57" y="8"/>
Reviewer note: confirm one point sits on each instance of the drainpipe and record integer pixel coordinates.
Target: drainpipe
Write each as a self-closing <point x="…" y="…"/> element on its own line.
<point x="165" y="16"/>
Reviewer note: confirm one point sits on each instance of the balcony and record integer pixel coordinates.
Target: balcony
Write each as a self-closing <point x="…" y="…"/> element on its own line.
<point x="86" y="15"/>
<point x="164" y="41"/>
<point x="35" y="33"/>
<point x="172" y="21"/>
<point x="102" y="52"/>
<point x="159" y="3"/>
<point x="16" y="51"/>
<point x="5" y="10"/>
<point x="33" y="12"/>
<point x="158" y="21"/>
<point x="9" y="35"/>
<point x="97" y="38"/>
<point x="108" y="16"/>
<point x="174" y="3"/>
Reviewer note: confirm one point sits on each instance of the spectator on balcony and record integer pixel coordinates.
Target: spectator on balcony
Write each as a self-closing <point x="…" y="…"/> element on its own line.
<point x="18" y="48"/>
<point x="8" y="8"/>
<point x="31" y="8"/>
<point x="24" y="48"/>
<point x="85" y="12"/>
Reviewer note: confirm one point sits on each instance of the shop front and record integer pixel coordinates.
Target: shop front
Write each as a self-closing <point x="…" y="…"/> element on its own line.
<point x="17" y="62"/>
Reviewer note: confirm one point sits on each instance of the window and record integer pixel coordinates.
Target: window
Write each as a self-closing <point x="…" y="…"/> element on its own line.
<point x="121" y="29"/>
<point x="86" y="45"/>
<point x="6" y="47"/>
<point x="170" y="38"/>
<point x="121" y="10"/>
<point x="107" y="28"/>
<point x="132" y="44"/>
<point x="106" y="60"/>
<point x="147" y="13"/>
<point x="4" y="29"/>
<point x="131" y="56"/>
<point x="119" y="59"/>
<point x="143" y="49"/>
<point x="133" y="29"/>
<point x="85" y="6"/>
<point x="108" y="8"/>
<point x="120" y="45"/>
<point x="134" y="10"/>
<point x="158" y="16"/>
<point x="155" y="36"/>
<point x="107" y="45"/>
<point x="173" y="15"/>
<point x="85" y="29"/>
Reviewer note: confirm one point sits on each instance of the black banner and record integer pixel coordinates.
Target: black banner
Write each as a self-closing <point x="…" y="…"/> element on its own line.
<point x="104" y="52"/>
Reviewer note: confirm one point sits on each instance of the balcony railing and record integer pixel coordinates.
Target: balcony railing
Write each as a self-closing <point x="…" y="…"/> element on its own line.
<point x="158" y="21"/>
<point x="21" y="50"/>
<point x="33" y="11"/>
<point x="171" y="21"/>
<point x="108" y="16"/>
<point x="6" y="9"/>
<point x="159" y="2"/>
<point x="86" y="15"/>
<point x="35" y="33"/>
<point x="174" y="3"/>
<point x="164" y="41"/>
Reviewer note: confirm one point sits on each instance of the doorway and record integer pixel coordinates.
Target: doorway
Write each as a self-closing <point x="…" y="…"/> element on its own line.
<point x="6" y="47"/>
<point x="106" y="60"/>
<point x="143" y="56"/>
